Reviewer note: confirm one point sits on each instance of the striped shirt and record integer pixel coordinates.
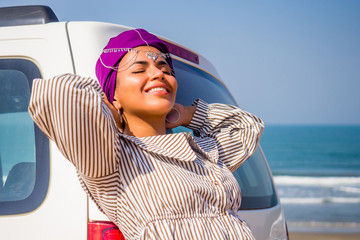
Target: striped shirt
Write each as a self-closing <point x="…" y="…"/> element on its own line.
<point x="173" y="186"/>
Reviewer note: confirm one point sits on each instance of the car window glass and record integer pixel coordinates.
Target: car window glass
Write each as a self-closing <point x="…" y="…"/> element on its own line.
<point x="255" y="182"/>
<point x="24" y="150"/>
<point x="253" y="176"/>
<point x="17" y="141"/>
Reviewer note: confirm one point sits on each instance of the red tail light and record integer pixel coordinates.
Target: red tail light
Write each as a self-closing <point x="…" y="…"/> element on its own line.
<point x="104" y="231"/>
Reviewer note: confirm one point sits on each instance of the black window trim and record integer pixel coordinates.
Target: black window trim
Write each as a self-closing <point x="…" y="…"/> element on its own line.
<point x="42" y="154"/>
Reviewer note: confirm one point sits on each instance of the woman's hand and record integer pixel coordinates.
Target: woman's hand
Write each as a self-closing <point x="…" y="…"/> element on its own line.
<point x="186" y="113"/>
<point x="113" y="110"/>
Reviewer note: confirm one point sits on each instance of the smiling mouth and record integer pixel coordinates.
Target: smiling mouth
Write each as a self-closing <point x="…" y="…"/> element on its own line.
<point x="157" y="89"/>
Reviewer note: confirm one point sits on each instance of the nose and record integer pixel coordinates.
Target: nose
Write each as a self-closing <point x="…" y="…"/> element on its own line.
<point x="156" y="73"/>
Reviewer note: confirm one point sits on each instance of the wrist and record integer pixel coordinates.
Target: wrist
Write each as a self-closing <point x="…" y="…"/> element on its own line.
<point x="189" y="113"/>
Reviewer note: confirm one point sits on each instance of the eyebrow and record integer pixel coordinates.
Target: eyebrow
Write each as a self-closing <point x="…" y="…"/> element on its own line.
<point x="141" y="62"/>
<point x="160" y="62"/>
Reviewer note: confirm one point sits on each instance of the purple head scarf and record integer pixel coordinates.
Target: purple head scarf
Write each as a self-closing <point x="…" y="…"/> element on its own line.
<point x="128" y="39"/>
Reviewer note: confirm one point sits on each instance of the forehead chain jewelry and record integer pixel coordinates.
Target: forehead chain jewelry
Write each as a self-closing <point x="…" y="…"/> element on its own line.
<point x="153" y="56"/>
<point x="149" y="54"/>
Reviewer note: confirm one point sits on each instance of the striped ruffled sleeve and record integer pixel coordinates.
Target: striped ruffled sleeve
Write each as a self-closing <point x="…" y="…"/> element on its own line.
<point x="70" y="111"/>
<point x="237" y="132"/>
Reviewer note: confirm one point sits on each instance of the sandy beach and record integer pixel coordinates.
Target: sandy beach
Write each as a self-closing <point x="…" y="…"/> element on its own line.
<point x="323" y="236"/>
<point x="323" y="230"/>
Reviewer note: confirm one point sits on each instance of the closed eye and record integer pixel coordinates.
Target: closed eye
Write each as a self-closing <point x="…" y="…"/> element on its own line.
<point x="166" y="71"/>
<point x="164" y="67"/>
<point x="138" y="71"/>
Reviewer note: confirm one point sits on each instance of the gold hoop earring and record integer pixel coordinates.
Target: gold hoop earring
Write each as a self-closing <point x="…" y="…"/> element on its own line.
<point x="178" y="116"/>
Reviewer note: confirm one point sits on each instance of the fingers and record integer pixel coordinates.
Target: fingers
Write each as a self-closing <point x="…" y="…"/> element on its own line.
<point x="174" y="117"/>
<point x="108" y="104"/>
<point x="182" y="116"/>
<point x="106" y="101"/>
<point x="113" y="110"/>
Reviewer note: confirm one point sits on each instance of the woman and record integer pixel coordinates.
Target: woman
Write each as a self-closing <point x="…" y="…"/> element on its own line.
<point x="152" y="185"/>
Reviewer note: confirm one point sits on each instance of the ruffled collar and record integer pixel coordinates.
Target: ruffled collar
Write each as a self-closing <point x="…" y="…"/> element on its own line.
<point x="181" y="146"/>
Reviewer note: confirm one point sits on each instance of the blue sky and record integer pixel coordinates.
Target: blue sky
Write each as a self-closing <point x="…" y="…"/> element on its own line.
<point x="289" y="62"/>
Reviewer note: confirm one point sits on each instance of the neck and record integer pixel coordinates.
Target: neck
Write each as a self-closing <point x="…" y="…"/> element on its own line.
<point x="140" y="127"/>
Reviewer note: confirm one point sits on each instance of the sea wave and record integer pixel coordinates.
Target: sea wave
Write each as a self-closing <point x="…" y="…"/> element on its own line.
<point x="325" y="224"/>
<point x="319" y="200"/>
<point x="349" y="189"/>
<point x="317" y="181"/>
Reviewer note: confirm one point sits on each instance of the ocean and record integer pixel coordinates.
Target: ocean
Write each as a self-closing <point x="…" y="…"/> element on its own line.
<point x="316" y="171"/>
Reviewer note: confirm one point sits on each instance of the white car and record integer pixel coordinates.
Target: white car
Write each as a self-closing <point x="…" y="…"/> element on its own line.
<point x="40" y="195"/>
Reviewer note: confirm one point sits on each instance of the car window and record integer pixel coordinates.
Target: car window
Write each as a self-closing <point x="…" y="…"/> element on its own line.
<point x="253" y="176"/>
<point x="255" y="182"/>
<point x="24" y="150"/>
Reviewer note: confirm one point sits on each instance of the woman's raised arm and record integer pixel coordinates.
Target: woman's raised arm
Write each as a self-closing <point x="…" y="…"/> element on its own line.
<point x="70" y="110"/>
<point x="237" y="132"/>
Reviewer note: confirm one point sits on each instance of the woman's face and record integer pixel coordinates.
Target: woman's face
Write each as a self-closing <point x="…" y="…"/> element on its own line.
<point x="144" y="87"/>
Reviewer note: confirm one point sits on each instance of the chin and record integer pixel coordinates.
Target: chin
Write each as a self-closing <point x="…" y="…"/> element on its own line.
<point x="161" y="107"/>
